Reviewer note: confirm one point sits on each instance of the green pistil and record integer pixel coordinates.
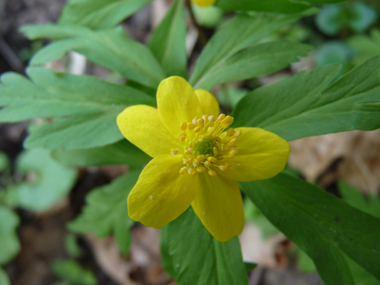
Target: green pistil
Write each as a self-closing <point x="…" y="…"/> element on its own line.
<point x="204" y="147"/>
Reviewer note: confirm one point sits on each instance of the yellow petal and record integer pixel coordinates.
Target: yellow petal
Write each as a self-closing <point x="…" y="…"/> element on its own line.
<point x="177" y="103"/>
<point x="142" y="126"/>
<point x="161" y="194"/>
<point x="261" y="155"/>
<point x="219" y="206"/>
<point x="209" y="105"/>
<point x="204" y="3"/>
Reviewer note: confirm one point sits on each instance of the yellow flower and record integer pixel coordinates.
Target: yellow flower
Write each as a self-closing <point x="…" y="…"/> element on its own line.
<point x="195" y="162"/>
<point x="204" y="3"/>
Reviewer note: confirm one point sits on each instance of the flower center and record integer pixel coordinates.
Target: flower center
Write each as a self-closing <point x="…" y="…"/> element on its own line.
<point x="205" y="145"/>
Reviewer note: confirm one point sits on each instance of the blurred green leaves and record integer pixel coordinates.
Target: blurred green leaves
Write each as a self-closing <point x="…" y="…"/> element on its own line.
<point x="356" y="16"/>
<point x="320" y="224"/>
<point x="106" y="211"/>
<point x="46" y="181"/>
<point x="193" y="257"/>
<point x="73" y="273"/>
<point x="4" y="280"/>
<point x="9" y="244"/>
<point x="315" y="103"/>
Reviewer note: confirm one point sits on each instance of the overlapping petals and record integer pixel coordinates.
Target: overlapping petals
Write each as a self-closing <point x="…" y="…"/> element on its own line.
<point x="208" y="103"/>
<point x="140" y="123"/>
<point x="161" y="194"/>
<point x="177" y="103"/>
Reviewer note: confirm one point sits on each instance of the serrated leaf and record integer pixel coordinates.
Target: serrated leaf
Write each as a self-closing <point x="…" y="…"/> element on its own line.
<point x="320" y="224"/>
<point x="227" y="42"/>
<point x="193" y="257"/>
<point x="111" y="48"/>
<point x="73" y="272"/>
<point x="9" y="243"/>
<point x="4" y="280"/>
<point x="168" y="41"/>
<point x="315" y="103"/>
<point x="52" y="94"/>
<point x="100" y="14"/>
<point x="77" y="132"/>
<point x="51" y="181"/>
<point x="122" y="152"/>
<point x="106" y="211"/>
<point x="276" y="6"/>
<point x="256" y="61"/>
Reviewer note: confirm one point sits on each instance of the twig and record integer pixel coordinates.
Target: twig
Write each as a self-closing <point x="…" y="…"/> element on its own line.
<point x="201" y="34"/>
<point x="9" y="55"/>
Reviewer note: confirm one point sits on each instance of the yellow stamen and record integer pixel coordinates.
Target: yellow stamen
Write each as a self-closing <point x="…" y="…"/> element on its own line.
<point x="212" y="173"/>
<point x="183" y="126"/>
<point x="174" y="151"/>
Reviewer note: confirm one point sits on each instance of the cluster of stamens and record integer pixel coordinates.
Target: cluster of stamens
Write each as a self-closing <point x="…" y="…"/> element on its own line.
<point x="206" y="146"/>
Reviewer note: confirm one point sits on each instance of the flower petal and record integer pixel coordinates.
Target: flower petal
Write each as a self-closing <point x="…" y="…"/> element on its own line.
<point x="177" y="103"/>
<point x="219" y="206"/>
<point x="204" y="3"/>
<point x="209" y="105"/>
<point x="142" y="126"/>
<point x="261" y="155"/>
<point x="161" y="194"/>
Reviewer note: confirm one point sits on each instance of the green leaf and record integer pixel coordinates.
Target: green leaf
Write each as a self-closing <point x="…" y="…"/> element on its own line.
<point x="99" y="14"/>
<point x="352" y="196"/>
<point x="361" y="276"/>
<point x="192" y="256"/>
<point x="106" y="211"/>
<point x="227" y="42"/>
<point x="320" y="2"/>
<point x="305" y="263"/>
<point x="50" y="181"/>
<point x="77" y="132"/>
<point x="364" y="17"/>
<point x="72" y="246"/>
<point x="320" y="224"/>
<point x="256" y="61"/>
<point x="9" y="243"/>
<point x="52" y="94"/>
<point x="365" y="46"/>
<point x="168" y="41"/>
<point x="249" y="266"/>
<point x="276" y="6"/>
<point x="253" y="214"/>
<point x="329" y="20"/>
<point x="111" y="48"/>
<point x="4" y="162"/>
<point x="333" y="52"/>
<point x="310" y="104"/>
<point x="4" y="280"/>
<point x="73" y="272"/>
<point x="122" y="152"/>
